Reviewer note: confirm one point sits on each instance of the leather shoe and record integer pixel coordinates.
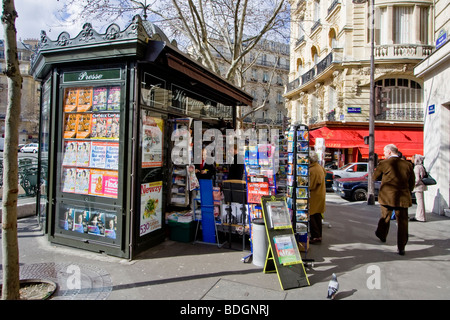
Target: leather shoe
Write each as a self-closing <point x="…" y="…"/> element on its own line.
<point x="401" y="252"/>
<point x="379" y="237"/>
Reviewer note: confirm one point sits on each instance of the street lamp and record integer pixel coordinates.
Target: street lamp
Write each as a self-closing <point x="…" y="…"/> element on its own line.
<point x="370" y="182"/>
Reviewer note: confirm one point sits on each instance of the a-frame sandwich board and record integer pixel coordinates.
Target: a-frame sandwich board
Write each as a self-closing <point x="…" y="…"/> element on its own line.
<point x="283" y="255"/>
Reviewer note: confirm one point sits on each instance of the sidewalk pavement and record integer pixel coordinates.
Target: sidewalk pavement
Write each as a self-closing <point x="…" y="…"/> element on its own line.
<point x="366" y="268"/>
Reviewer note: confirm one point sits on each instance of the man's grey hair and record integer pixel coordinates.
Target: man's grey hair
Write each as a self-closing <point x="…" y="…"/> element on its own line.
<point x="313" y="157"/>
<point x="392" y="148"/>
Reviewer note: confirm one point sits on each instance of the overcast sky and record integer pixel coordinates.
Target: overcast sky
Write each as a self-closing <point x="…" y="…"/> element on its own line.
<point x="37" y="15"/>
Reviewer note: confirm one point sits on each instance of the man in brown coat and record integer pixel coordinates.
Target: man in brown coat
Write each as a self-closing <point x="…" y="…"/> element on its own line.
<point x="317" y="193"/>
<point x="397" y="182"/>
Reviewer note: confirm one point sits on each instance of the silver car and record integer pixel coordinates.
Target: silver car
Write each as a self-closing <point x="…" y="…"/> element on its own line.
<point x="31" y="147"/>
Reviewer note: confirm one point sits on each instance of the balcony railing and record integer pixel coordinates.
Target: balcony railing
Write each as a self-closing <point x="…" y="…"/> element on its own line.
<point x="396" y="51"/>
<point x="334" y="56"/>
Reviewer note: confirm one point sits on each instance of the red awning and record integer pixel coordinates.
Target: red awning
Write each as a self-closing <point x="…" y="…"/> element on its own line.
<point x="409" y="142"/>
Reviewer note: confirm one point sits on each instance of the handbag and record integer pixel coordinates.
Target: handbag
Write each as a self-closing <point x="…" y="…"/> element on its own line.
<point x="427" y="179"/>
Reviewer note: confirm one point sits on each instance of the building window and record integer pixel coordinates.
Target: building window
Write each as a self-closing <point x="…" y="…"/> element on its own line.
<point x="265" y="77"/>
<point x="402" y="24"/>
<point x="381" y="30"/>
<point x="424" y="13"/>
<point x="331" y="98"/>
<point x="316" y="11"/>
<point x="404" y="100"/>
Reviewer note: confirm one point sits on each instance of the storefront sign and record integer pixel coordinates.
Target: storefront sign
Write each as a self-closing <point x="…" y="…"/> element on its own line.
<point x="151" y="204"/>
<point x="96" y="75"/>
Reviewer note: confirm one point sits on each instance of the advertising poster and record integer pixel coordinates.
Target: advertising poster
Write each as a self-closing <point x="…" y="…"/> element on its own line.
<point x="287" y="250"/>
<point x="152" y="141"/>
<point x="256" y="190"/>
<point x="151" y="207"/>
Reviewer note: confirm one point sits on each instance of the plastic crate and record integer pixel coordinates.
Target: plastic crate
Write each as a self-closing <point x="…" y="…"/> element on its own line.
<point x="182" y="231"/>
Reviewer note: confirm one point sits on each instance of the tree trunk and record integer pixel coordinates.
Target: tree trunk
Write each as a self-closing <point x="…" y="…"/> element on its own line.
<point x="10" y="258"/>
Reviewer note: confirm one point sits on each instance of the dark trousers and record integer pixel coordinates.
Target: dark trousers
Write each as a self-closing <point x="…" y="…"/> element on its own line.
<point x="315" y="224"/>
<point x="401" y="215"/>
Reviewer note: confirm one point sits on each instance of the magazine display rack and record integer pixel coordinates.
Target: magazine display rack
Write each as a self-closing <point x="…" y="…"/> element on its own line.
<point x="283" y="255"/>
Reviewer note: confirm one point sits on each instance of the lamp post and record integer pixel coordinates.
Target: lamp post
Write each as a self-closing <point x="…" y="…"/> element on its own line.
<point x="370" y="182"/>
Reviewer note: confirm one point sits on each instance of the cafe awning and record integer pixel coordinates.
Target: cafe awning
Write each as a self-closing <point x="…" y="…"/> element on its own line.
<point x="408" y="141"/>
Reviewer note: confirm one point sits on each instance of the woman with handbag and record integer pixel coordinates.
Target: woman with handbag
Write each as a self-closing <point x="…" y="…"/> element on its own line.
<point x="419" y="188"/>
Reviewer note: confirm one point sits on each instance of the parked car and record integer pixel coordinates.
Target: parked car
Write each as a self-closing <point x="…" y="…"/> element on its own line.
<point x="31" y="147"/>
<point x="351" y="170"/>
<point x="355" y="189"/>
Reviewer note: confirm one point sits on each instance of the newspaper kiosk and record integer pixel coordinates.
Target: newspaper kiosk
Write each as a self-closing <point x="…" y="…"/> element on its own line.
<point x="107" y="113"/>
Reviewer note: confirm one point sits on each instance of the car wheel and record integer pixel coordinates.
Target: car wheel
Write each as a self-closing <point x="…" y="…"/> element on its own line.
<point x="34" y="151"/>
<point x="359" y="195"/>
<point x="336" y="177"/>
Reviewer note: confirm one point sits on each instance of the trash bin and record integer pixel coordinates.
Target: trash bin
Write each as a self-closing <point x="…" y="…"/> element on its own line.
<point x="259" y="242"/>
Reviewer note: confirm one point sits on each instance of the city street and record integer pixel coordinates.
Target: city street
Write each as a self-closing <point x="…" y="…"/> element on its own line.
<point x="365" y="267"/>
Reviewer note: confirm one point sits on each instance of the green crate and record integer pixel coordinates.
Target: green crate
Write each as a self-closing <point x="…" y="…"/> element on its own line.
<point x="182" y="231"/>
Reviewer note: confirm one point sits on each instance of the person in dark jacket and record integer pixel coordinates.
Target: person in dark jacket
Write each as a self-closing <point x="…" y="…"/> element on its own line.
<point x="397" y="182"/>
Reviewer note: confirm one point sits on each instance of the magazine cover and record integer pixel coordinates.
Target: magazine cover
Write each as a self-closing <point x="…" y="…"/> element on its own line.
<point x="104" y="183"/>
<point x="70" y="100"/>
<point x="99" y="99"/>
<point x="112" y="126"/>
<point x="70" y="125"/>
<point x="83" y="153"/>
<point x="83" y="125"/>
<point x="66" y="218"/>
<point x="82" y="181"/>
<point x="287" y="250"/>
<point x="302" y="146"/>
<point x="98" y="154"/>
<point x="81" y="218"/>
<point x="84" y="99"/>
<point x="110" y="225"/>
<point x="99" y="126"/>
<point x="112" y="156"/>
<point x="96" y="224"/>
<point x="278" y="215"/>
<point x="69" y="180"/>
<point x="70" y="153"/>
<point x="114" y="99"/>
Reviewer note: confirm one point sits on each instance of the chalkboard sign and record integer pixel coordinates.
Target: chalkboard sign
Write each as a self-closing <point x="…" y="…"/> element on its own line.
<point x="283" y="255"/>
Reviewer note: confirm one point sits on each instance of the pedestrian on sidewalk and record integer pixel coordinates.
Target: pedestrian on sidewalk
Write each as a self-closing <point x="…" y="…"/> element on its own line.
<point x="397" y="182"/>
<point x="317" y="193"/>
<point x="419" y="188"/>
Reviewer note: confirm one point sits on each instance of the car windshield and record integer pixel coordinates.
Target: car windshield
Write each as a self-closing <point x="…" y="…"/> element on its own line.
<point x="346" y="166"/>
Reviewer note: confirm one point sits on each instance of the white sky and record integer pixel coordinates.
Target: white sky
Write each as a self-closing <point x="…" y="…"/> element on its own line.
<point x="37" y="15"/>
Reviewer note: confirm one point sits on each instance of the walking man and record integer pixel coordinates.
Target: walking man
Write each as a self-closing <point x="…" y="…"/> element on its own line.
<point x="397" y="182"/>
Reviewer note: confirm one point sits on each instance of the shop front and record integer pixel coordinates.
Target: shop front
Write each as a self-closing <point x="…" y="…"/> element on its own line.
<point x="109" y="108"/>
<point x="347" y="143"/>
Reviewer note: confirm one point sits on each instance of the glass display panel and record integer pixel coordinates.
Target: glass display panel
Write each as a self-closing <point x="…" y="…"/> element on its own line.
<point x="90" y="150"/>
